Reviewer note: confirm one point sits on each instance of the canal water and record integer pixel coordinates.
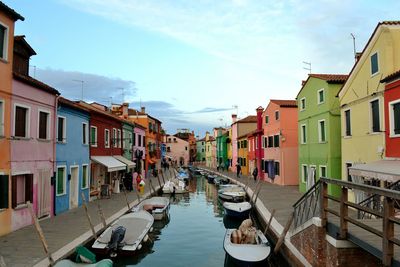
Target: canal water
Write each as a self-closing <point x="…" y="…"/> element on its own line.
<point x="192" y="236"/>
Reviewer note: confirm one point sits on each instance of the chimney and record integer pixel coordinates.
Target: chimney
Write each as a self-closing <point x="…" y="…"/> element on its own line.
<point x="234" y="117"/>
<point x="358" y="56"/>
<point x="143" y="109"/>
<point x="125" y="107"/>
<point x="303" y="82"/>
<point x="259" y="117"/>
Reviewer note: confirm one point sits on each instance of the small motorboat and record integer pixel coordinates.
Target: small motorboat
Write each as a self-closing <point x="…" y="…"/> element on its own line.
<point x="211" y="178"/>
<point x="232" y="194"/>
<point x="174" y="186"/>
<point x="156" y="206"/>
<point x="221" y="181"/>
<point x="126" y="234"/>
<point x="247" y="245"/>
<point x="69" y="263"/>
<point x="181" y="174"/>
<point x="239" y="210"/>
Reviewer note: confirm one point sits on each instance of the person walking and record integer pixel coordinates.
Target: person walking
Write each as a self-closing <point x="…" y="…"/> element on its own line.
<point x="255" y="173"/>
<point x="238" y="170"/>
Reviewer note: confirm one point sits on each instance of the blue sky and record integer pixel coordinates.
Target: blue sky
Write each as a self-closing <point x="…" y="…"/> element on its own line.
<point x="190" y="62"/>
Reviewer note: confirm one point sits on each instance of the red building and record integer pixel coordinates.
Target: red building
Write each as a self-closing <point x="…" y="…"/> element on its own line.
<point x="392" y="114"/>
<point x="105" y="149"/>
<point x="256" y="146"/>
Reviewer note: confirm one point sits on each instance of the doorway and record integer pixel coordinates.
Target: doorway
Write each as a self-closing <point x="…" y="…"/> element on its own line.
<point x="74" y="187"/>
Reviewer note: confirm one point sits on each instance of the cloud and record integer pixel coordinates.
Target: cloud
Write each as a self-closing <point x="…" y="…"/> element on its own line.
<point x="96" y="88"/>
<point x="210" y="110"/>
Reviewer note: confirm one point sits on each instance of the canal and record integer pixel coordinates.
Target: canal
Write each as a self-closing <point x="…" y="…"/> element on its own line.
<point x="193" y="234"/>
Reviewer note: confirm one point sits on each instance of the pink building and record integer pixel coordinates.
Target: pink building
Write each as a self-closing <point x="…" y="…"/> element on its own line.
<point x="139" y="146"/>
<point x="177" y="150"/>
<point x="280" y="140"/>
<point x="33" y="123"/>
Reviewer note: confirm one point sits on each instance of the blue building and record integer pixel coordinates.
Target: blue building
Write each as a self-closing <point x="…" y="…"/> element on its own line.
<point x="72" y="156"/>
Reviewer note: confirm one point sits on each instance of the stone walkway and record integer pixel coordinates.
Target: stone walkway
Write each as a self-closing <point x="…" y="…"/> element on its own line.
<point x="63" y="232"/>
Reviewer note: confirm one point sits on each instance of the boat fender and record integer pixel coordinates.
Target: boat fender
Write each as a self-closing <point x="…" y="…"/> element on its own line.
<point x="151" y="229"/>
<point x="146" y="238"/>
<point x="139" y="247"/>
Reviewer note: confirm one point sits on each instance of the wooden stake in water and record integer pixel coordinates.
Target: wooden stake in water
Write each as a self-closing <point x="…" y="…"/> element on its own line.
<point x="158" y="178"/>
<point x="269" y="222"/>
<point x="40" y="233"/>
<point x="88" y="216"/>
<point x="282" y="237"/>
<point x="162" y="176"/>
<point x="126" y="198"/>
<point x="2" y="262"/>
<point x="103" y="220"/>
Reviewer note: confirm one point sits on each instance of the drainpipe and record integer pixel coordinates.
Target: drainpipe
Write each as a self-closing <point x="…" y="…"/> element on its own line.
<point x="54" y="152"/>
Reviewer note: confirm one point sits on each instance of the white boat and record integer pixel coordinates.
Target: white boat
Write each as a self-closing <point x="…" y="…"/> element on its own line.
<point x="69" y="263"/>
<point x="240" y="210"/>
<point x="232" y="193"/>
<point x="156" y="206"/>
<point x="174" y="187"/>
<point x="136" y="225"/>
<point x="247" y="254"/>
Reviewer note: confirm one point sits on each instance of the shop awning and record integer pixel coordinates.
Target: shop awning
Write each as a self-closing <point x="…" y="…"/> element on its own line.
<point x="109" y="162"/>
<point x="385" y="170"/>
<point x="126" y="161"/>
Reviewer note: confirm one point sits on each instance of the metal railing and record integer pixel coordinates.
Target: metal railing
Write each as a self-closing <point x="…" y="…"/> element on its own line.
<point x="308" y="206"/>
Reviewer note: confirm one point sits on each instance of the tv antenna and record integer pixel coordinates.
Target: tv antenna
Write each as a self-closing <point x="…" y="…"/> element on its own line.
<point x="354" y="46"/>
<point x="308" y="64"/>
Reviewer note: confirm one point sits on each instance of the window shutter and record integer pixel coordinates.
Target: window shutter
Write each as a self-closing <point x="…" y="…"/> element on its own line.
<point x="3" y="191"/>
<point x="396" y="116"/>
<point x="375" y="116"/>
<point x="20" y="121"/>
<point x="42" y="125"/>
<point x="29" y="187"/>
<point x="14" y="192"/>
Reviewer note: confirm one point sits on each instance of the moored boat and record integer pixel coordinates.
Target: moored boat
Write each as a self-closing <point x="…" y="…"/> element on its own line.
<point x="239" y="210"/>
<point x="232" y="194"/>
<point x="174" y="187"/>
<point x="156" y="206"/>
<point x="210" y="178"/>
<point x="126" y="234"/>
<point x="69" y="263"/>
<point x="247" y="246"/>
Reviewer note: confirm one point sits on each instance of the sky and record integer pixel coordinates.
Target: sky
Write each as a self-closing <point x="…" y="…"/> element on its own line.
<point x="192" y="64"/>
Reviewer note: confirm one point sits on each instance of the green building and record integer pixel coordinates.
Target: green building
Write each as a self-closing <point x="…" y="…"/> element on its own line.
<point x="319" y="129"/>
<point x="201" y="150"/>
<point x="222" y="148"/>
<point x="127" y="138"/>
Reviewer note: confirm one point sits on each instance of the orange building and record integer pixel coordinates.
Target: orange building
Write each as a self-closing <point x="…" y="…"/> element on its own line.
<point x="8" y="17"/>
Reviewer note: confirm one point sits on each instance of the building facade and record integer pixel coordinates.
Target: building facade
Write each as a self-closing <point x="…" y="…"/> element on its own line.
<point x="177" y="150"/>
<point x="201" y="150"/>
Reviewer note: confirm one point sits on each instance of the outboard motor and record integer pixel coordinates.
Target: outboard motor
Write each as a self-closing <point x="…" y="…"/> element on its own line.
<point x="115" y="242"/>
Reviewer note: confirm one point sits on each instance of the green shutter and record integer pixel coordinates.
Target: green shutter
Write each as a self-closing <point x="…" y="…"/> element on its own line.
<point x="60" y="180"/>
<point x="84" y="176"/>
<point x="4" y="191"/>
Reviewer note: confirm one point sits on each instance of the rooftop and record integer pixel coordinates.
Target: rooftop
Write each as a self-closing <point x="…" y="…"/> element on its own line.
<point x="11" y="12"/>
<point x="285" y="103"/>
<point x="35" y="83"/>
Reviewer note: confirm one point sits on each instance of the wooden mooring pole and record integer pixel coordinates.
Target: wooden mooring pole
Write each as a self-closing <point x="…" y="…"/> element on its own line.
<point x="2" y="262"/>
<point x="158" y="178"/>
<point x="282" y="237"/>
<point x="100" y="211"/>
<point x="40" y="233"/>
<point x="269" y="221"/>
<point x="88" y="216"/>
<point x="162" y="176"/>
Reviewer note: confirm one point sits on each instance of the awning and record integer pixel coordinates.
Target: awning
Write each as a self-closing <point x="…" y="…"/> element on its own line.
<point x="129" y="163"/>
<point x="386" y="170"/>
<point x="168" y="157"/>
<point x="109" y="162"/>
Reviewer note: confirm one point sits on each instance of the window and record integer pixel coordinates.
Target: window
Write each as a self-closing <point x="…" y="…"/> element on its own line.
<point x="3" y="41"/>
<point x="44" y="125"/>
<point x="185" y="147"/>
<point x="303" y="134"/>
<point x="134" y="139"/>
<point x="374" y="63"/>
<point x="174" y="139"/>
<point x="347" y="123"/>
<point x="1" y="118"/>
<point x="256" y="142"/>
<point x="202" y="150"/>
<point x="119" y="139"/>
<point x="303" y="103"/>
<point x="276" y="140"/>
<point x="277" y="115"/>
<point x="321" y="96"/>
<point x="262" y="164"/>
<point x="322" y="171"/>
<point x="85" y="175"/>
<point x="61" y="126"/>
<point x="202" y="143"/>
<point x="4" y="192"/>
<point x="93" y="136"/>
<point x="21" y="123"/>
<point x="139" y="140"/>
<point x="61" y="181"/>
<point x="277" y="168"/>
<point x="348" y="165"/>
<point x="244" y="143"/>
<point x="266" y="119"/>
<point x="114" y="138"/>
<point x="106" y="138"/>
<point x="22" y="189"/>
<point x="270" y="141"/>
<point x="321" y="131"/>
<point x="143" y="141"/>
<point x="394" y="117"/>
<point x="375" y="116"/>
<point x="168" y="149"/>
<point x="304" y="173"/>
<point x="84" y="133"/>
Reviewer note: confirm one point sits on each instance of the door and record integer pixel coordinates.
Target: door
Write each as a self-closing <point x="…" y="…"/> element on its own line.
<point x="74" y="187"/>
<point x="44" y="193"/>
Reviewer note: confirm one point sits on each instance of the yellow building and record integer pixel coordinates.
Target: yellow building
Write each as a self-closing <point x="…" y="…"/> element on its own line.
<point x="361" y="99"/>
<point x="229" y="149"/>
<point x="242" y="146"/>
<point x="209" y="150"/>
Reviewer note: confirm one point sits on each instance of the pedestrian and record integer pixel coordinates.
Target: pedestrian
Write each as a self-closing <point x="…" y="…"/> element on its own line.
<point x="255" y="173"/>
<point x="138" y="180"/>
<point x="238" y="170"/>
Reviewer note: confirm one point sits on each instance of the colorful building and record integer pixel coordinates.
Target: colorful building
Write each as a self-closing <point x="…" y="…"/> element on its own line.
<point x="139" y="147"/>
<point x="281" y="152"/>
<point x="33" y="117"/>
<point x="319" y="129"/>
<point x="209" y="150"/>
<point x="256" y="146"/>
<point x="362" y="106"/>
<point x="188" y="136"/>
<point x="72" y="155"/>
<point x="242" y="148"/>
<point x="240" y="128"/>
<point x="229" y="149"/>
<point x="221" y="147"/>
<point x="201" y="150"/>
<point x="177" y="150"/>
<point x="127" y="139"/>
<point x="8" y="17"/>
